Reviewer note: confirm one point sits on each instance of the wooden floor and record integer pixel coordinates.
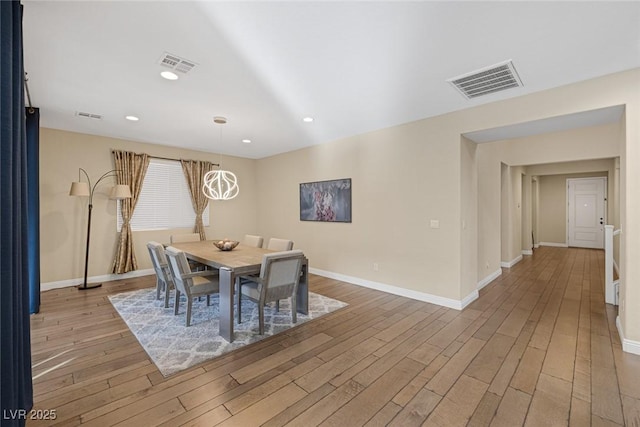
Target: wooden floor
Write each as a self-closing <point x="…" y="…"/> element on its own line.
<point x="538" y="348"/>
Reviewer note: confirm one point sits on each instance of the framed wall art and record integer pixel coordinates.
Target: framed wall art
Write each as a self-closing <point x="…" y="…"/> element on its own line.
<point x="326" y="201"/>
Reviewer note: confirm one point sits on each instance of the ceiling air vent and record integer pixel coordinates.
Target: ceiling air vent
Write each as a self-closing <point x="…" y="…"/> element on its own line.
<point x="89" y="115"/>
<point x="488" y="80"/>
<point x="174" y="62"/>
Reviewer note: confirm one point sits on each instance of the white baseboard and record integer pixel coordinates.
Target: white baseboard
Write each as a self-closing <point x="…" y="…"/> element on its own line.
<point x="104" y="278"/>
<point x="536" y="246"/>
<point x="557" y="245"/>
<point x="420" y="296"/>
<point x="629" y="346"/>
<point x="490" y="278"/>
<point x="509" y="264"/>
<point x="527" y="252"/>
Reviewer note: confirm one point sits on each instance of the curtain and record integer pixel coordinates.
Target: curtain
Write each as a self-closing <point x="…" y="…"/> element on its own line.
<point x="16" y="389"/>
<point x="130" y="170"/>
<point x="33" y="202"/>
<point x="194" y="171"/>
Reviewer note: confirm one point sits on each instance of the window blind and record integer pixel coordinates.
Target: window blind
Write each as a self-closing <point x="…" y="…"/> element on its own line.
<point x="164" y="201"/>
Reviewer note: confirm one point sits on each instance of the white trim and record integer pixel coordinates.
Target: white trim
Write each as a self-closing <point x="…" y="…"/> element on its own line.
<point x="527" y="252"/>
<point x="557" y="245"/>
<point x="420" y="296"/>
<point x="629" y="346"/>
<point x="104" y="278"/>
<point x="490" y="278"/>
<point x="509" y="264"/>
<point x="536" y="246"/>
<point x="615" y="267"/>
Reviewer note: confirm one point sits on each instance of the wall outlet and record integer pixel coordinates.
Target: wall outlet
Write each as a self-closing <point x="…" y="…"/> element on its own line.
<point x="375" y="266"/>
<point x="435" y="223"/>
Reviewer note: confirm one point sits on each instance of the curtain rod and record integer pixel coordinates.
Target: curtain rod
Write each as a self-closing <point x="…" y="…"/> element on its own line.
<point x="26" y="87"/>
<point x="169" y="158"/>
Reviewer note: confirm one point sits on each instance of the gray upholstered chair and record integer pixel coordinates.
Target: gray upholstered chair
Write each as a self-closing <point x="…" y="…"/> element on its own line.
<point x="251" y="240"/>
<point x="278" y="279"/>
<point x="164" y="281"/>
<point x="182" y="238"/>
<point x="280" y="244"/>
<point x="192" y="284"/>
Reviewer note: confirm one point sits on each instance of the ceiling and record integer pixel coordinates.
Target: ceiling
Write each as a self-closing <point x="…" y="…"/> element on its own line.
<point x="352" y="66"/>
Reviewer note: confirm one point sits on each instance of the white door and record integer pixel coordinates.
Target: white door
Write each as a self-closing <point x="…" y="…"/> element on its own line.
<point x="586" y="212"/>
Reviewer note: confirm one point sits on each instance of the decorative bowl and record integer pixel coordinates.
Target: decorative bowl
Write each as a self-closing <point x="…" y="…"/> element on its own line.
<point x="226" y="244"/>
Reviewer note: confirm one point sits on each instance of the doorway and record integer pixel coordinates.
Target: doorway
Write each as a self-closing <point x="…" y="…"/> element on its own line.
<point x="586" y="212"/>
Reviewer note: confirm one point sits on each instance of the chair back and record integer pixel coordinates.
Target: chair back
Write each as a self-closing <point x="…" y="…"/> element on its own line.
<point x="159" y="261"/>
<point x="280" y="244"/>
<point x="280" y="274"/>
<point x="251" y="240"/>
<point x="179" y="266"/>
<point x="181" y="238"/>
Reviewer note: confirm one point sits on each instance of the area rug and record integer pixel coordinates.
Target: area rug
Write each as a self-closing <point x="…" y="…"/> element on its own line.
<point x="173" y="347"/>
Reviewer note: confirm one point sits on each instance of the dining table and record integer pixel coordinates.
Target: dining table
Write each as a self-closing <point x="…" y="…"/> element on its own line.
<point x="242" y="260"/>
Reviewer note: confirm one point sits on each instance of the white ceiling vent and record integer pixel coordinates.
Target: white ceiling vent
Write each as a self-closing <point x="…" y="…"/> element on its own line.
<point x="487" y="80"/>
<point x="174" y="62"/>
<point x="89" y="115"/>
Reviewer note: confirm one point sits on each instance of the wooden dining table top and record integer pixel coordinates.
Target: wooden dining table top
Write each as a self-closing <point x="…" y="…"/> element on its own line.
<point x="241" y="259"/>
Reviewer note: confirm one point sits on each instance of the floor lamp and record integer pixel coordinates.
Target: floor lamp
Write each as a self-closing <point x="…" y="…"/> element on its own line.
<point x="85" y="189"/>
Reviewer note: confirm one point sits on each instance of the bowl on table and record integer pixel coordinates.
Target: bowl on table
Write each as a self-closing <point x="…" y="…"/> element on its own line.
<point x="225" y="245"/>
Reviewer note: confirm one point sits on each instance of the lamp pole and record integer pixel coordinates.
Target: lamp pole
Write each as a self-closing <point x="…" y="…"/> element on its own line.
<point x="79" y="189"/>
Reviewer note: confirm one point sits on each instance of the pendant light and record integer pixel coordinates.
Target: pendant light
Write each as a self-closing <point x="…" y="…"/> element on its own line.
<point x="220" y="184"/>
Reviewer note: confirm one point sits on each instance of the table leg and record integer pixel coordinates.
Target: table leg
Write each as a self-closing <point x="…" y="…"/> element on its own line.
<point x="302" y="296"/>
<point x="226" y="303"/>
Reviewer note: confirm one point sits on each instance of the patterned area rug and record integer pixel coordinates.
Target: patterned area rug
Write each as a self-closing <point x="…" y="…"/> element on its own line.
<point x="174" y="347"/>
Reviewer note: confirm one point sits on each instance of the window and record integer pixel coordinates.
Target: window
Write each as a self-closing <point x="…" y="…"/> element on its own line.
<point x="164" y="201"/>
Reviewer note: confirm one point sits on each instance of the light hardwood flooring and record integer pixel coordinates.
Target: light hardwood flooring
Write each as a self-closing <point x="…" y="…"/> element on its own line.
<point x="538" y="348"/>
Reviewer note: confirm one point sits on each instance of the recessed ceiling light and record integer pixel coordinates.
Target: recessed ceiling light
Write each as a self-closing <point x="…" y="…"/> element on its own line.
<point x="169" y="75"/>
<point x="132" y="118"/>
<point x="307" y="119"/>
<point x="246" y="141"/>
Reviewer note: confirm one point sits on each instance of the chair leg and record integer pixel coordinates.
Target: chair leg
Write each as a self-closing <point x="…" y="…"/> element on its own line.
<point x="261" y="318"/>
<point x="177" y="304"/>
<point x="277" y="305"/>
<point x="189" y="302"/>
<point x="294" y="309"/>
<point x="208" y="300"/>
<point x="167" y="292"/>
<point x="238" y="301"/>
<point x="158" y="286"/>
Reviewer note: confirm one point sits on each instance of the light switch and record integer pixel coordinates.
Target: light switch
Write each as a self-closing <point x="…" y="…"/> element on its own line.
<point x="435" y="223"/>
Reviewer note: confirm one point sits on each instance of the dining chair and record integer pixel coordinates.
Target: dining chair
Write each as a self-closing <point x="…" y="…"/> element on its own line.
<point x="164" y="281"/>
<point x="182" y="238"/>
<point x="278" y="279"/>
<point x="251" y="240"/>
<point x="186" y="238"/>
<point x="280" y="244"/>
<point x="192" y="284"/>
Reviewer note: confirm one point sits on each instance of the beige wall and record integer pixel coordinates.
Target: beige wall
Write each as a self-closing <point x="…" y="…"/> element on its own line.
<point x="63" y="219"/>
<point x="402" y="178"/>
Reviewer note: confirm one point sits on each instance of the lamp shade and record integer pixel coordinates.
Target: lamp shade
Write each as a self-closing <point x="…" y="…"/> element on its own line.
<point x="120" y="191"/>
<point x="79" y="189"/>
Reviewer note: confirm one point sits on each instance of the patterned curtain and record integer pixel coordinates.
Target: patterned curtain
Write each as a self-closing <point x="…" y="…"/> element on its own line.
<point x="130" y="170"/>
<point x="194" y="171"/>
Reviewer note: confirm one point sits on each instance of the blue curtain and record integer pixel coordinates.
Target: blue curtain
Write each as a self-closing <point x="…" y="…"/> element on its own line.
<point x="16" y="389"/>
<point x="33" y="206"/>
